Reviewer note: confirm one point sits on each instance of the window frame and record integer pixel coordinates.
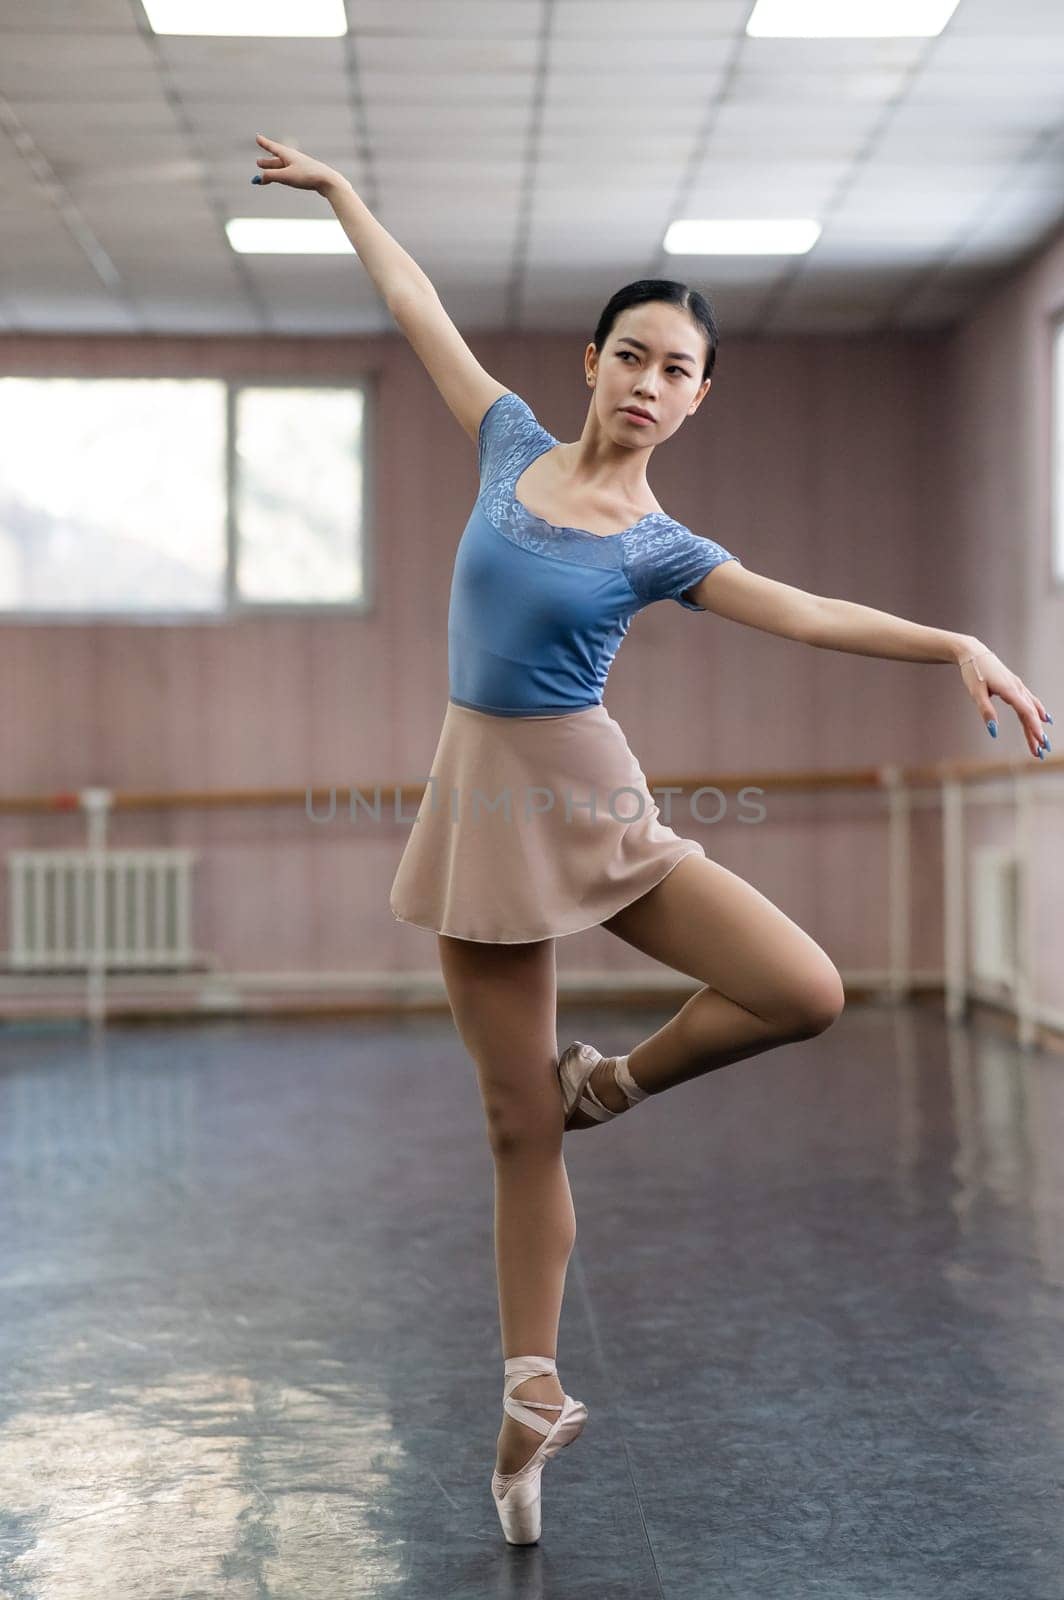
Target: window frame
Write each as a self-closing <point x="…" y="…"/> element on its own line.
<point x="1056" y="451"/>
<point x="232" y="609"/>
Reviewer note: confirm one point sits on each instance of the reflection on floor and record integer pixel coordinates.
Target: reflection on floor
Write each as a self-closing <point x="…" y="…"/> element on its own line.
<point x="250" y="1347"/>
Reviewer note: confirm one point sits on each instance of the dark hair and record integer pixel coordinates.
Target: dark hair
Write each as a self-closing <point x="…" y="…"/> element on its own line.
<point x="674" y="294"/>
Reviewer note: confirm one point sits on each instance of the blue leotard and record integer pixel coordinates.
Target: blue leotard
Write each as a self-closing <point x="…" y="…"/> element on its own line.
<point x="537" y="613"/>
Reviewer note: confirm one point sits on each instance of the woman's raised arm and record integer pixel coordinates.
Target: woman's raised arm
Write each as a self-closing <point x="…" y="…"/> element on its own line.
<point x="407" y="291"/>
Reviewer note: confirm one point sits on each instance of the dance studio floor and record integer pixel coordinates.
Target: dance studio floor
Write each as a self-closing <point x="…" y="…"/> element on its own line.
<point x="250" y="1348"/>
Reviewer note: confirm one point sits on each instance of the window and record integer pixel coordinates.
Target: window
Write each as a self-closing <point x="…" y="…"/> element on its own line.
<point x="145" y="497"/>
<point x="1057" y="456"/>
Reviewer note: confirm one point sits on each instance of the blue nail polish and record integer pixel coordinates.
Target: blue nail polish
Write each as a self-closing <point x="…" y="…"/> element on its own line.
<point x="1048" y="717"/>
<point x="992" y="727"/>
<point x="257" y="178"/>
<point x="1047" y="744"/>
<point x="1041" y="755"/>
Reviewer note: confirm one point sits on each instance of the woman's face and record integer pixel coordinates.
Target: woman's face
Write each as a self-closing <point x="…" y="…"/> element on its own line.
<point x="652" y="359"/>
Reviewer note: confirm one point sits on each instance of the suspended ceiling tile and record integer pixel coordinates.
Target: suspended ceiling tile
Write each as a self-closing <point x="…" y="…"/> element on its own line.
<point x="468" y="56"/>
<point x="584" y="19"/>
<point x="90" y="163"/>
<point x="570" y="126"/>
<point x="755" y="82"/>
<point x="455" y="214"/>
<point x="744" y="271"/>
<point x="1029" y="49"/>
<point x="63" y="16"/>
<point x="327" y="319"/>
<point x="868" y="283"/>
<point x="327" y="117"/>
<point x="816" y="173"/>
<point x="54" y="308"/>
<point x="255" y="70"/>
<point x="620" y="55"/>
<point x="826" y="321"/>
<point x="900" y="179"/>
<point x="1023" y="215"/>
<point x="428" y="176"/>
<point x="916" y="130"/>
<point x="797" y="56"/>
<point x="72" y="121"/>
<point x="407" y="124"/>
<point x="870" y="206"/>
<point x="43" y="66"/>
<point x="631" y="149"/>
<point x="1017" y="16"/>
<point x="187" y="217"/>
<point x="183" y="314"/>
<point x="595" y="91"/>
<point x="485" y="266"/>
<point x="997" y="97"/>
<point x="838" y="246"/>
<point x="418" y="19"/>
<point x="425" y="91"/>
<point x="826" y="131"/>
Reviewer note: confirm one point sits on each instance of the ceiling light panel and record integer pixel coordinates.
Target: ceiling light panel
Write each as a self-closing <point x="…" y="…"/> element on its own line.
<point x="259" y="19"/>
<point x="849" y="19"/>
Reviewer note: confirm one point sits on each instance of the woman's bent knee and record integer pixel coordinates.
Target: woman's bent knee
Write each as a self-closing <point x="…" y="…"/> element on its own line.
<point x="819" y="1004"/>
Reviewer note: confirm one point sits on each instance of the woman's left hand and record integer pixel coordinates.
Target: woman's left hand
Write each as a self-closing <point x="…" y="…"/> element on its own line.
<point x="984" y="675"/>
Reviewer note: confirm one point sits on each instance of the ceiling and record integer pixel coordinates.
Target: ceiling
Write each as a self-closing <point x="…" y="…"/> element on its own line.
<point x="530" y="155"/>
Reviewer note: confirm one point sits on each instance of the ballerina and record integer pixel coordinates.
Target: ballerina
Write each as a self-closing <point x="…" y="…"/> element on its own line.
<point x="565" y="544"/>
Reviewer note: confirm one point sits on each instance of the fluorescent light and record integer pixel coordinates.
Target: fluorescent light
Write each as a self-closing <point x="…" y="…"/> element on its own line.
<point x="266" y="19"/>
<point x="288" y="236"/>
<point x="849" y="19"/>
<point x="786" y="237"/>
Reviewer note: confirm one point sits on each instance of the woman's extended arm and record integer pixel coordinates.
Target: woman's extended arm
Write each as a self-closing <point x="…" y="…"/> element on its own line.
<point x="731" y="590"/>
<point x="409" y="293"/>
<point x="392" y="269"/>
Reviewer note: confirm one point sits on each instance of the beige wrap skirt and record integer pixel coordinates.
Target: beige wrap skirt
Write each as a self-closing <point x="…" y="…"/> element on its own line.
<point x="531" y="827"/>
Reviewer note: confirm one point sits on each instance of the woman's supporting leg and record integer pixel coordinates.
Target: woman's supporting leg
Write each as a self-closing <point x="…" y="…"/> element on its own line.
<point x="768" y="983"/>
<point x="504" y="1002"/>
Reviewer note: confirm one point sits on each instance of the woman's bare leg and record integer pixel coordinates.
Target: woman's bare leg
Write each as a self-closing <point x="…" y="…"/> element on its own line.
<point x="504" y="1002"/>
<point x="768" y="983"/>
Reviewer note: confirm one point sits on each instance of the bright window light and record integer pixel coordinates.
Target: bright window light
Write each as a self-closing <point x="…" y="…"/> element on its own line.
<point x="849" y="19"/>
<point x="298" y="494"/>
<point x="132" y="523"/>
<point x="1057" y="468"/>
<point x="259" y="503"/>
<point x="288" y="236"/>
<point x="787" y="237"/>
<point x="267" y="19"/>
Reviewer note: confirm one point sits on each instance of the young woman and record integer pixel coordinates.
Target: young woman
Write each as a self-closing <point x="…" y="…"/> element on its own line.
<point x="545" y="824"/>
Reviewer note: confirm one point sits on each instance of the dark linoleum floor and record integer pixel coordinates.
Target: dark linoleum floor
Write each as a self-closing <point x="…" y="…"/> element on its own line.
<point x="250" y="1346"/>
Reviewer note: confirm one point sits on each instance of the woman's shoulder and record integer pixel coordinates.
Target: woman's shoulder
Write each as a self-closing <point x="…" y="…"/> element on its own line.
<point x="508" y="431"/>
<point x="663" y="558"/>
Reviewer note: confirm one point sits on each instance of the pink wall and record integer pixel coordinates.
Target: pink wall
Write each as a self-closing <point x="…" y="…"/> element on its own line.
<point x="996" y="389"/>
<point x="832" y="464"/>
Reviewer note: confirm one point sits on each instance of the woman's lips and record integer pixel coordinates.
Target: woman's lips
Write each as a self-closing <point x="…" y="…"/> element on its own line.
<point x="633" y="416"/>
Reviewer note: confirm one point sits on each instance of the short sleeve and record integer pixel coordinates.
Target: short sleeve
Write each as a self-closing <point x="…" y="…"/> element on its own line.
<point x="508" y="432"/>
<point x="666" y="561"/>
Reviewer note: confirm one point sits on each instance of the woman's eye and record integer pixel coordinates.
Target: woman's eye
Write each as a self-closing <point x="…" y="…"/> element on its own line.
<point x="680" y="370"/>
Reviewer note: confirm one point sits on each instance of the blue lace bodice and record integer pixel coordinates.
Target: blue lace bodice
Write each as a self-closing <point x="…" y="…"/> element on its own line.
<point x="658" y="556"/>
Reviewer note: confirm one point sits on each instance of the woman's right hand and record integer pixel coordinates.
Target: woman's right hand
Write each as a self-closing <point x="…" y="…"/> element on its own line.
<point x="285" y="164"/>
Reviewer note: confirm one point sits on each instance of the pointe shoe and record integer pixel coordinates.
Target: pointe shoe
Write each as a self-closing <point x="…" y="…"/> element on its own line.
<point x="575" y="1065"/>
<point x="517" y="1494"/>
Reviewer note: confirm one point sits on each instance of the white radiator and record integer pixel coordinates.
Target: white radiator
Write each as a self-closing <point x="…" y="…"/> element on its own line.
<point x="58" y="921"/>
<point x="996" y="889"/>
